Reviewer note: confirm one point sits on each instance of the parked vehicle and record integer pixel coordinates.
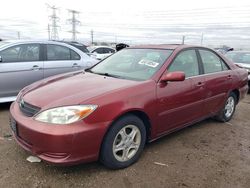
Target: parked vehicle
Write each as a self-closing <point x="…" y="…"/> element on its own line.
<point x="135" y="96"/>
<point x="78" y="45"/>
<point x="24" y="62"/>
<point x="100" y="52"/>
<point x="121" y="46"/>
<point x="224" y="49"/>
<point x="241" y="58"/>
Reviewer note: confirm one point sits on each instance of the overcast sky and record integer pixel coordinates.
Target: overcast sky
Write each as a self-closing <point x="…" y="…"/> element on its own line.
<point x="133" y="21"/>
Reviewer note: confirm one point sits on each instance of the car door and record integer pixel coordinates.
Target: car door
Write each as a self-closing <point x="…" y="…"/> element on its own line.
<point x="218" y="80"/>
<point x="21" y="65"/>
<point x="181" y="102"/>
<point x="60" y="59"/>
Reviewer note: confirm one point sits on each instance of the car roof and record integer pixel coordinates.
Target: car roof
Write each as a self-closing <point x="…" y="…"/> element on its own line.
<point x="16" y="42"/>
<point x="166" y="46"/>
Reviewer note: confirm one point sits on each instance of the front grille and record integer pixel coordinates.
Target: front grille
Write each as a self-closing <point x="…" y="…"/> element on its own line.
<point x="28" y="109"/>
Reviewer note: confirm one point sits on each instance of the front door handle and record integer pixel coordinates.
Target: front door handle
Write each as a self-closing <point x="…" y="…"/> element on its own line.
<point x="200" y="84"/>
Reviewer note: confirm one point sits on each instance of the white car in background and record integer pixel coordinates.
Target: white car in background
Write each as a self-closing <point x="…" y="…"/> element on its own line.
<point x="100" y="52"/>
<point x="241" y="58"/>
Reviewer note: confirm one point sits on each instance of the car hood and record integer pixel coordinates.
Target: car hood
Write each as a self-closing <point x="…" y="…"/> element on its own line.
<point x="72" y="89"/>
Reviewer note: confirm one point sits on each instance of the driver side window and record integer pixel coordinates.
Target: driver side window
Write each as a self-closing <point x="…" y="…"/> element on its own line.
<point x="186" y="62"/>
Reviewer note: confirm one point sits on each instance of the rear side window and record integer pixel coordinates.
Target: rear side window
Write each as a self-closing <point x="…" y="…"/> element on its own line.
<point x="99" y="51"/>
<point x="186" y="62"/>
<point x="211" y="62"/>
<point x="21" y="53"/>
<point x="74" y="55"/>
<point x="57" y="53"/>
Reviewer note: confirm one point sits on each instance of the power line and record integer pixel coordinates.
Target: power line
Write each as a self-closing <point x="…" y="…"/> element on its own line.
<point x="74" y="22"/>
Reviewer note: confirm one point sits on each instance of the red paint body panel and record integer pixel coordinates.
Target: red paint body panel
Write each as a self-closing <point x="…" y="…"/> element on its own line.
<point x="168" y="106"/>
<point x="74" y="140"/>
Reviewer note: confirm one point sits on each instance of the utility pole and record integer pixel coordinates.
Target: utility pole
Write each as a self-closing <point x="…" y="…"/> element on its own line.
<point x="54" y="20"/>
<point x="92" y="37"/>
<point x="183" y="39"/>
<point x="74" y="22"/>
<point x="202" y="36"/>
<point x="18" y="35"/>
<point x="48" y="31"/>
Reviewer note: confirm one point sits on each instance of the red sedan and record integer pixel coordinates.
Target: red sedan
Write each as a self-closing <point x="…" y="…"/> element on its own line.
<point x="135" y="96"/>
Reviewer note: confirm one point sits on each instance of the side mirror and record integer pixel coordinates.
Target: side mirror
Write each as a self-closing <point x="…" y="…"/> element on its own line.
<point x="173" y="76"/>
<point x="1" y="59"/>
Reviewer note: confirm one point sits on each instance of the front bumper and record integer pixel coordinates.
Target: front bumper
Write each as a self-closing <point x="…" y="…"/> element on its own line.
<point x="58" y="144"/>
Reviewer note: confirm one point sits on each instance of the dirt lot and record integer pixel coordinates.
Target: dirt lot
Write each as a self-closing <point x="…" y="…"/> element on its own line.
<point x="208" y="154"/>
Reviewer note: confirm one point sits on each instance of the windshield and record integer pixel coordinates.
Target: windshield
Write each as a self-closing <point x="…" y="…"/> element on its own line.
<point x="133" y="64"/>
<point x="239" y="57"/>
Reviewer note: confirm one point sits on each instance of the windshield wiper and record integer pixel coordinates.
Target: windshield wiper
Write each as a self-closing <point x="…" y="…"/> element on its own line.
<point x="107" y="74"/>
<point x="88" y="70"/>
<point x="103" y="73"/>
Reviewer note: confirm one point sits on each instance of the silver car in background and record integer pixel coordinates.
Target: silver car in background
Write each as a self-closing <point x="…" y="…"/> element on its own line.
<point x="24" y="62"/>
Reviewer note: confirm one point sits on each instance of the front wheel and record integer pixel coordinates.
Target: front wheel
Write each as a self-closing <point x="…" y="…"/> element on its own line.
<point x="228" y="110"/>
<point x="123" y="143"/>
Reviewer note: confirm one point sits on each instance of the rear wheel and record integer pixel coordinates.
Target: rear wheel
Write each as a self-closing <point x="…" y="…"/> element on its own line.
<point x="229" y="108"/>
<point x="123" y="143"/>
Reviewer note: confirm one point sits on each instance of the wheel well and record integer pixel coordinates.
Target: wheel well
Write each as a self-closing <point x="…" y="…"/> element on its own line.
<point x="237" y="93"/>
<point x="143" y="116"/>
<point x="146" y="121"/>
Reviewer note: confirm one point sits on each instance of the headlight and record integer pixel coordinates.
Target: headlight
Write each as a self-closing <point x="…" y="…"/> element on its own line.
<point x="65" y="115"/>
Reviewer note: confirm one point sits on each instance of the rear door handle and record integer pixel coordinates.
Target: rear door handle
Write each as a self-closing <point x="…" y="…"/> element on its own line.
<point x="229" y="76"/>
<point x="75" y="65"/>
<point x="36" y="67"/>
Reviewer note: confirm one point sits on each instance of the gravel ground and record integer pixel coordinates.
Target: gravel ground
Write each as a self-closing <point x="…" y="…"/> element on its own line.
<point x="207" y="154"/>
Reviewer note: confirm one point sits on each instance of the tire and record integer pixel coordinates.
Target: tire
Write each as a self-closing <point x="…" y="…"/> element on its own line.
<point x="123" y="143"/>
<point x="228" y="110"/>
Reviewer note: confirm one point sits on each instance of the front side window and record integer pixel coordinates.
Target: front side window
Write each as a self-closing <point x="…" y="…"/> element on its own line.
<point x="21" y="53"/>
<point x="133" y="64"/>
<point x="211" y="62"/>
<point x="186" y="62"/>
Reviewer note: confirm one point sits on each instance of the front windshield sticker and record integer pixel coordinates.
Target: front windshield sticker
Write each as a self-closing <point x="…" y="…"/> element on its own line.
<point x="148" y="63"/>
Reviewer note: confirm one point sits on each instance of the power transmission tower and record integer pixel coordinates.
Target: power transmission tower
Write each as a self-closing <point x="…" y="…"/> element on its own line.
<point x="74" y="22"/>
<point x="54" y="20"/>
